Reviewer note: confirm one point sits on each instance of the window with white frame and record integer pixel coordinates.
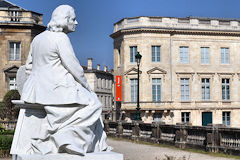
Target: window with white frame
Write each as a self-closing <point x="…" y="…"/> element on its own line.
<point x="184" y="54"/>
<point x="185" y="93"/>
<point x="156" y="89"/>
<point x="133" y="83"/>
<point x="185" y="117"/>
<point x="156" y="53"/>
<point x="157" y="117"/>
<point x="119" y="57"/>
<point x="204" y="55"/>
<point x="133" y="116"/>
<point x="133" y="52"/>
<point x="224" y="55"/>
<point x="12" y="83"/>
<point x="225" y="89"/>
<point x="15" y="54"/>
<point x="226" y="118"/>
<point x="205" y="89"/>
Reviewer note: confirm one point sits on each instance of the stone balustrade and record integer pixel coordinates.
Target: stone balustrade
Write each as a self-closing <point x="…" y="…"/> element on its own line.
<point x="212" y="138"/>
<point x="201" y="23"/>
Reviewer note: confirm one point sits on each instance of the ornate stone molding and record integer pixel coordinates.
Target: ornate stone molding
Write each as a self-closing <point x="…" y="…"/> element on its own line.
<point x="11" y="71"/>
<point x="184" y="75"/>
<point x="153" y="71"/>
<point x="132" y="71"/>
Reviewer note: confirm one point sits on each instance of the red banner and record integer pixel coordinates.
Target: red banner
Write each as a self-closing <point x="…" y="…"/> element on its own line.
<point x="118" y="88"/>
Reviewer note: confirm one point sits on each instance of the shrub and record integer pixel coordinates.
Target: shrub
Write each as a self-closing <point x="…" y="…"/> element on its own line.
<point x="7" y="108"/>
<point x="5" y="142"/>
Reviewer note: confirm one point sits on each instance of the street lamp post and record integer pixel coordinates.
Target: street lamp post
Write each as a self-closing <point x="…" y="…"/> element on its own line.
<point x="138" y="113"/>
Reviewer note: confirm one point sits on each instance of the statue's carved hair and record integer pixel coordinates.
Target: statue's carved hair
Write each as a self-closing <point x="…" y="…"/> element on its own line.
<point x="59" y="18"/>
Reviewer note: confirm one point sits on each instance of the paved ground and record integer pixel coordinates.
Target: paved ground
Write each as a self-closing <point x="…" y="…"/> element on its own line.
<point x="133" y="151"/>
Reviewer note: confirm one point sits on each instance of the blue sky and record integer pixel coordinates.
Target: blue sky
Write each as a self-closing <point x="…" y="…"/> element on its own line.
<point x="96" y="19"/>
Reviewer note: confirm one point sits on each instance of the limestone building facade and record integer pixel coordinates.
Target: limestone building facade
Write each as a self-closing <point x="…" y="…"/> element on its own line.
<point x="101" y="82"/>
<point x="189" y="72"/>
<point x="18" y="27"/>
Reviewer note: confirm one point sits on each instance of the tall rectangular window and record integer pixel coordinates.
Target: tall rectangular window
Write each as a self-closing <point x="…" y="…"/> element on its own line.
<point x="157" y="117"/>
<point x="133" y="52"/>
<point x="225" y="55"/>
<point x="156" y="53"/>
<point x="119" y="57"/>
<point x="12" y="83"/>
<point x="156" y="89"/>
<point x="15" y="54"/>
<point x="185" y="93"/>
<point x="205" y="89"/>
<point x="184" y="54"/>
<point x="225" y="89"/>
<point x="133" y="83"/>
<point x="205" y="55"/>
<point x="226" y="118"/>
<point x="185" y="117"/>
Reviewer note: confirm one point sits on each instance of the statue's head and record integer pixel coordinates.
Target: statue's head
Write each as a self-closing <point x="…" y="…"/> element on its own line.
<point x="63" y="19"/>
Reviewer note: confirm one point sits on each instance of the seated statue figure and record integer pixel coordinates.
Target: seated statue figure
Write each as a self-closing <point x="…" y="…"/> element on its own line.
<point x="56" y="81"/>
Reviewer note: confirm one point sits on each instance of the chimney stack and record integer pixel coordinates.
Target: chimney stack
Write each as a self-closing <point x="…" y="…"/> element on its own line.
<point x="98" y="67"/>
<point x="89" y="64"/>
<point x="105" y="68"/>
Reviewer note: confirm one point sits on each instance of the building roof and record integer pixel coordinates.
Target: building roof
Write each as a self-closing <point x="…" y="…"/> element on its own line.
<point x="4" y="4"/>
<point x="187" y="18"/>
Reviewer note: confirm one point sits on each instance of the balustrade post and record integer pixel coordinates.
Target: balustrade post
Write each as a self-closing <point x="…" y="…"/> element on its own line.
<point x="180" y="136"/>
<point x="213" y="138"/>
<point x="120" y="129"/>
<point x="155" y="132"/>
<point x="106" y="126"/>
<point x="135" y="131"/>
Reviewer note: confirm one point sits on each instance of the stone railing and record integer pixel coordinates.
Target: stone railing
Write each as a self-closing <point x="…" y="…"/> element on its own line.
<point x="212" y="138"/>
<point x="178" y="23"/>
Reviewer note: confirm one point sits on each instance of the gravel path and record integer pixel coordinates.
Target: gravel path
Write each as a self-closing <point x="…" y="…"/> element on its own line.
<point x="133" y="151"/>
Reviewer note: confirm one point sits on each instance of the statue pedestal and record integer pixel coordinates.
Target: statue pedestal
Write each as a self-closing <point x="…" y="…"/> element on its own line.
<point x="30" y="120"/>
<point x="89" y="156"/>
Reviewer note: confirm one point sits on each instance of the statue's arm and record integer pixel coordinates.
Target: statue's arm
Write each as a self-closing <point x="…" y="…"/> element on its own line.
<point x="70" y="62"/>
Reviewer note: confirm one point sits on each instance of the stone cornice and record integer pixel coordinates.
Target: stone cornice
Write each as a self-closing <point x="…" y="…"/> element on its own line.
<point x="173" y="31"/>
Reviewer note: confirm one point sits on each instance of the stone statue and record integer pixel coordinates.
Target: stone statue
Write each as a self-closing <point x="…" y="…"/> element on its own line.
<point x="56" y="81"/>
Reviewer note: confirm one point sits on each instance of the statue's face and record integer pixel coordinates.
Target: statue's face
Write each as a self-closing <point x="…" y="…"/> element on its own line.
<point x="72" y="23"/>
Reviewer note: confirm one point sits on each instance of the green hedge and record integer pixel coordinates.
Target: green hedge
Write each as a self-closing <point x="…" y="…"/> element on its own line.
<point x="6" y="132"/>
<point x="5" y="142"/>
<point x="5" y="145"/>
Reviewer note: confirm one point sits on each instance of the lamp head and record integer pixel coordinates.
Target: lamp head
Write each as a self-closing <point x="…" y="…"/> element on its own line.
<point x="138" y="58"/>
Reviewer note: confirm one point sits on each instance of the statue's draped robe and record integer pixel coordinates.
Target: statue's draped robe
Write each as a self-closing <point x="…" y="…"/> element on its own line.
<point x="57" y="82"/>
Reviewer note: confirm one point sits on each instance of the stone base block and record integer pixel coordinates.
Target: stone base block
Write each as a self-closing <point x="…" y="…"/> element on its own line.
<point x="63" y="156"/>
